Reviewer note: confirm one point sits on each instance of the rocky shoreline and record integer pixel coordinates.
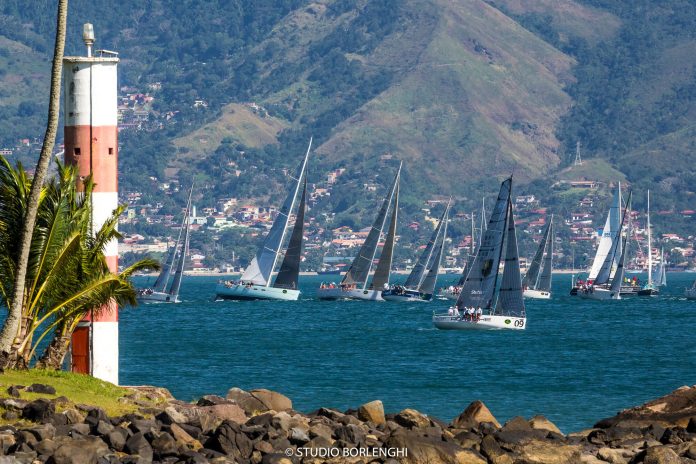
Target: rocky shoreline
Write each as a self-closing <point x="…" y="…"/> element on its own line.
<point x="260" y="427"/>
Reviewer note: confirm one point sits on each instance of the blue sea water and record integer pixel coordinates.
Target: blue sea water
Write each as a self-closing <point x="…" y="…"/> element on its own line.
<point x="577" y="362"/>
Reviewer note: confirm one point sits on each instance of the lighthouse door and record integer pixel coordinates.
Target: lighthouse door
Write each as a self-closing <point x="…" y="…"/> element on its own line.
<point x="80" y="350"/>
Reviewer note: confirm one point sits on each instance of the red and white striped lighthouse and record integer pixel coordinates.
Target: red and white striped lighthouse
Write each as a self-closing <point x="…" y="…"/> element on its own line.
<point x="91" y="143"/>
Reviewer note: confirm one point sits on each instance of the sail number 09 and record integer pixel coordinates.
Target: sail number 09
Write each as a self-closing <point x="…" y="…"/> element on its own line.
<point x="519" y="322"/>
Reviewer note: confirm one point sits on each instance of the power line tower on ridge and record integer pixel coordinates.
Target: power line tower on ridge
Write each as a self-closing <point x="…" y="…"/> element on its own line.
<point x="578" y="160"/>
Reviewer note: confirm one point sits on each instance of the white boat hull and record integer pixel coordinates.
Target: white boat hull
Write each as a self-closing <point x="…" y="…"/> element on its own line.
<point x="598" y="293"/>
<point x="448" y="295"/>
<point x="486" y="322"/>
<point x="539" y="294"/>
<point x="255" y="292"/>
<point x="157" y="297"/>
<point x="338" y="293"/>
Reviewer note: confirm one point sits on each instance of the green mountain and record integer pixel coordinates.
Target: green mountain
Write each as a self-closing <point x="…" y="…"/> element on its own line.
<point x="463" y="91"/>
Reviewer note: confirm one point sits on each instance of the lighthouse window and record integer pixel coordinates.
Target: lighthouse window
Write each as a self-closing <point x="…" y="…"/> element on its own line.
<point x="76" y="151"/>
<point x="111" y="150"/>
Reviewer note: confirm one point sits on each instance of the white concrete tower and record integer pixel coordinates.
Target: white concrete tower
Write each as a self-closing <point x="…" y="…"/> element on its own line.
<point x="91" y="143"/>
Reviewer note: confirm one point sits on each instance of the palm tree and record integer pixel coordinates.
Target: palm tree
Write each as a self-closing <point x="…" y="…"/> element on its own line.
<point x="12" y="324"/>
<point x="67" y="275"/>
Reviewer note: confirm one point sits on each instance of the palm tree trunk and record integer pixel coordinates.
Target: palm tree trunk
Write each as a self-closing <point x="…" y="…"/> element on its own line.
<point x="11" y="325"/>
<point x="54" y="354"/>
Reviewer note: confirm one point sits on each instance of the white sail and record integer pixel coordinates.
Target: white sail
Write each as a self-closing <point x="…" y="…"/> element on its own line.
<point x="611" y="237"/>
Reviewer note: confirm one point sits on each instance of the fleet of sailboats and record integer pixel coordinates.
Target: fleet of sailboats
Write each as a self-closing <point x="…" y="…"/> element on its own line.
<point x="354" y="284"/>
<point x="489" y="295"/>
<point x="162" y="292"/>
<point x="256" y="281"/>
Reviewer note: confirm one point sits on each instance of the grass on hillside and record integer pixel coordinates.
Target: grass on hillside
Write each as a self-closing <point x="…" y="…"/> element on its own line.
<point x="78" y="388"/>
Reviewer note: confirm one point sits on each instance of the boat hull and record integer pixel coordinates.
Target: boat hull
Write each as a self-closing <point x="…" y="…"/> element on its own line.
<point x="407" y="296"/>
<point x="690" y="293"/>
<point x="626" y="290"/>
<point x="495" y="322"/>
<point x="539" y="294"/>
<point x="255" y="292"/>
<point x="446" y="294"/>
<point x="648" y="291"/>
<point x="339" y="293"/>
<point x="157" y="297"/>
<point x="598" y="293"/>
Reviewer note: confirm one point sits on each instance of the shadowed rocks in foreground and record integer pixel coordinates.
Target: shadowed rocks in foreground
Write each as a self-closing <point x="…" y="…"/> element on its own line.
<point x="260" y="427"/>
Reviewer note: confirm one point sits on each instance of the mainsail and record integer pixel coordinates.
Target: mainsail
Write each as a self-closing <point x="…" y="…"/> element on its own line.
<point x="428" y="285"/>
<point x="510" y="298"/>
<point x="290" y="268"/>
<point x="383" y="270"/>
<point x="544" y="281"/>
<point x="165" y="273"/>
<point x="619" y="275"/>
<point x="609" y="243"/>
<point x="261" y="267"/>
<point x="472" y="251"/>
<point x="361" y="265"/>
<point x="661" y="279"/>
<point x="415" y="278"/>
<point x="479" y="285"/>
<point x="183" y="253"/>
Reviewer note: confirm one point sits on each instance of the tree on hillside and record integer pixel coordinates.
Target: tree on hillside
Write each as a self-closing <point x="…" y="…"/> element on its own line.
<point x="67" y="275"/>
<point x="10" y="329"/>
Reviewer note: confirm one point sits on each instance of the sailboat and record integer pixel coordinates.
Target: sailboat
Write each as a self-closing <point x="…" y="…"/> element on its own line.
<point x="255" y="282"/>
<point x="607" y="286"/>
<point x="661" y="279"/>
<point x="176" y="260"/>
<point x="537" y="280"/>
<point x="354" y="283"/>
<point x="452" y="292"/>
<point x="477" y="307"/>
<point x="650" y="288"/>
<point x="690" y="292"/>
<point x="420" y="284"/>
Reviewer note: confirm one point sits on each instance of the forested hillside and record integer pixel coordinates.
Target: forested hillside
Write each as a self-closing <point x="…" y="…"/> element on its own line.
<point x="463" y="91"/>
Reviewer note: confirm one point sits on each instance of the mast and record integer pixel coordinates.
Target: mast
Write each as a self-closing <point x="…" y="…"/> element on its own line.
<point x="383" y="270"/>
<point x="290" y="268"/>
<point x="510" y="297"/>
<point x="618" y="276"/>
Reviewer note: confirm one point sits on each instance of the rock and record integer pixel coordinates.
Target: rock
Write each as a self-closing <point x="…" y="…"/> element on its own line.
<point x="691" y="452"/>
<point x="298" y="436"/>
<point x="38" y="410"/>
<point x="518" y="431"/>
<point x="661" y="455"/>
<point x="351" y="434"/>
<point x="612" y="455"/>
<point x="209" y="417"/>
<point x="492" y="450"/>
<point x="57" y="419"/>
<point x="674" y="409"/>
<point x="542" y="423"/>
<point x="691" y="426"/>
<point x="73" y="416"/>
<point x="183" y="438"/>
<point x="144" y="426"/>
<point x="164" y="445"/>
<point x="79" y="429"/>
<point x="12" y="390"/>
<point x="276" y="458"/>
<point x="102" y="428"/>
<point x="40" y="388"/>
<point x="81" y="451"/>
<point x="171" y="416"/>
<point x="320" y="430"/>
<point x="117" y="438"/>
<point x="6" y="441"/>
<point x="263" y="447"/>
<point x="423" y="449"/>
<point x="473" y="415"/>
<point x="674" y="436"/>
<point x="372" y="412"/>
<point x="468" y="439"/>
<point x="249" y="403"/>
<point x="45" y="447"/>
<point x="229" y="439"/>
<point x="10" y="415"/>
<point x="138" y="445"/>
<point x="412" y="419"/>
<point x="13" y="404"/>
<point x="44" y="432"/>
<point x="273" y="401"/>
<point x="538" y="452"/>
<point x="212" y="400"/>
<point x="95" y="415"/>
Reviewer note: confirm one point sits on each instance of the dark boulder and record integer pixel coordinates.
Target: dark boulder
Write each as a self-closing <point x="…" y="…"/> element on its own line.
<point x="38" y="410"/>
<point x="40" y="388"/>
<point x="229" y="439"/>
<point x="138" y="445"/>
<point x="117" y="438"/>
<point x="13" y="390"/>
<point x="81" y="451"/>
<point x="164" y="445"/>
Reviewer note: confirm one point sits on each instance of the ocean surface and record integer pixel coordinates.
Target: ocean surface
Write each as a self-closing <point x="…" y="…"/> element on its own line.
<point x="577" y="362"/>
